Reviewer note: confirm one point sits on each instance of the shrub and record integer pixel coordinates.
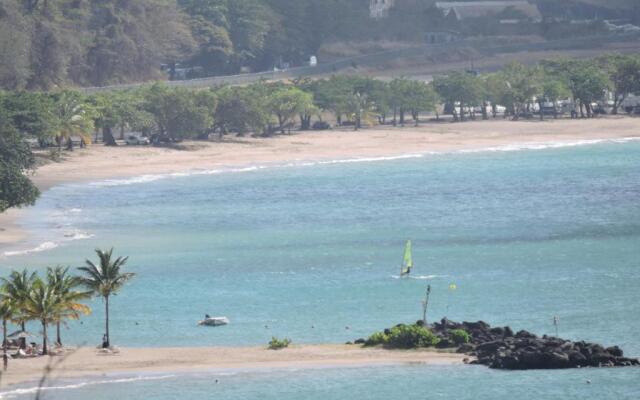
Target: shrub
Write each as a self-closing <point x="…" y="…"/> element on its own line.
<point x="411" y="336"/>
<point x="320" y="126"/>
<point x="376" y="339"/>
<point x="459" y="336"/>
<point x="278" y="344"/>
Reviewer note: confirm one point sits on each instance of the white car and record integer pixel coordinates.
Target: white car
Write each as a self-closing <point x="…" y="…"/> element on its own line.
<point x="137" y="140"/>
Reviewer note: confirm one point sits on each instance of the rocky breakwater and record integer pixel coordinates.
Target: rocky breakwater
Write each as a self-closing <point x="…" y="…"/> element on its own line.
<point x="501" y="348"/>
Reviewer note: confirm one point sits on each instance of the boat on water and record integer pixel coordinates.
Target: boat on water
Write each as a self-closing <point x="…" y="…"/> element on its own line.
<point x="214" y="321"/>
<point x="407" y="260"/>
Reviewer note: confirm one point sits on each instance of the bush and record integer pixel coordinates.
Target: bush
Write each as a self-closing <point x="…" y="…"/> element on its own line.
<point x="378" y="338"/>
<point x="320" y="126"/>
<point x="278" y="344"/>
<point x="410" y="337"/>
<point x="459" y="336"/>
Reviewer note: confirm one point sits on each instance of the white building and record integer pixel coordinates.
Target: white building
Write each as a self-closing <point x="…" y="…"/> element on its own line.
<point x="475" y="9"/>
<point x="379" y="9"/>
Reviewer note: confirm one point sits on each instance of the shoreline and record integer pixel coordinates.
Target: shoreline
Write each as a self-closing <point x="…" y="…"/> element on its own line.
<point x="99" y="163"/>
<point x="86" y="362"/>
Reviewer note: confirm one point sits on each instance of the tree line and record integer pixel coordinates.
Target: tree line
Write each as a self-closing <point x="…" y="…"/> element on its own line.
<point x="59" y="296"/>
<point x="168" y="115"/>
<point x="49" y="44"/>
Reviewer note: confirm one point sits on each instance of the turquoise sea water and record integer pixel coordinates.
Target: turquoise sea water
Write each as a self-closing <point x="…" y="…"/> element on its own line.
<point x="313" y="252"/>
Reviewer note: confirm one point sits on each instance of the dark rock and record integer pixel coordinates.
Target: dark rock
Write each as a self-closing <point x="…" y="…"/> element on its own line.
<point x="466" y="348"/>
<point x="615" y="351"/>
<point x="500" y="348"/>
<point x="360" y="341"/>
<point x="490" y="346"/>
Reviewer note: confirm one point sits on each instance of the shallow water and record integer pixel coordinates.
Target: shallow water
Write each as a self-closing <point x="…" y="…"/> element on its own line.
<point x="312" y="253"/>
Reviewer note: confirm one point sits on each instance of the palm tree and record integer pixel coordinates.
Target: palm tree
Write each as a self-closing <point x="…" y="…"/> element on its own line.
<point x="16" y="289"/>
<point x="65" y="287"/>
<point x="7" y="313"/>
<point x="74" y="118"/>
<point x="43" y="305"/>
<point x="105" y="279"/>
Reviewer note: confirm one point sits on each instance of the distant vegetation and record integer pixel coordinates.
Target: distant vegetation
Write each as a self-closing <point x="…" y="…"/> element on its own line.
<point x="404" y="337"/>
<point x="168" y="115"/>
<point x="54" y="44"/>
<point x="278" y="344"/>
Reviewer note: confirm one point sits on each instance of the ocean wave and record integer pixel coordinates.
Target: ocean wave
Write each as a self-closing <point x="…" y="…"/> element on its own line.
<point x="40" y="248"/>
<point x="545" y="145"/>
<point x="50" y="245"/>
<point x="32" y="390"/>
<point x="419" y="277"/>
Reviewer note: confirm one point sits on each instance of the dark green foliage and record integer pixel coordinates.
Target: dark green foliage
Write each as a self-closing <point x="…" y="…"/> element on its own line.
<point x="16" y="160"/>
<point x="278" y="344"/>
<point x="404" y="337"/>
<point x="459" y="336"/>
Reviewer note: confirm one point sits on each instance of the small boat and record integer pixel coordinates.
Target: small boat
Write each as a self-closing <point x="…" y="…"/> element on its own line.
<point x="407" y="260"/>
<point x="214" y="321"/>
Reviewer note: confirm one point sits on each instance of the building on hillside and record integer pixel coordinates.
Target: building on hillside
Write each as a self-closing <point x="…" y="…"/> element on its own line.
<point x="379" y="9"/>
<point x="444" y="36"/>
<point x="511" y="10"/>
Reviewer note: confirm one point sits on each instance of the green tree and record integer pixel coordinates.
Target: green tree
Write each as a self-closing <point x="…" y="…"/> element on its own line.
<point x="180" y="113"/>
<point x="16" y="162"/>
<point x="16" y="289"/>
<point x="459" y="90"/>
<point x="105" y="279"/>
<point x="31" y="113"/>
<point x="288" y="102"/>
<point x="42" y="304"/>
<point x="65" y="288"/>
<point x="624" y="74"/>
<point x="242" y="109"/>
<point x="7" y="313"/>
<point x="522" y="86"/>
<point x="75" y="117"/>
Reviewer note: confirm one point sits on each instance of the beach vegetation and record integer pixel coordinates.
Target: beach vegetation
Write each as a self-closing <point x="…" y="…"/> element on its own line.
<point x="17" y="163"/>
<point x="404" y="337"/>
<point x="105" y="279"/>
<point x="377" y="339"/>
<point x="16" y="289"/>
<point x="69" y="297"/>
<point x="278" y="344"/>
<point x="25" y="296"/>
<point x="459" y="336"/>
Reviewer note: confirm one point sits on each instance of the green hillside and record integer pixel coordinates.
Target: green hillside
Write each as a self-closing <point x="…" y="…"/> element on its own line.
<point x="48" y="44"/>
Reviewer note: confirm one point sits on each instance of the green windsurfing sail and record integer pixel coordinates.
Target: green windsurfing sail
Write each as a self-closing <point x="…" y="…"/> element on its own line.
<point x="407" y="261"/>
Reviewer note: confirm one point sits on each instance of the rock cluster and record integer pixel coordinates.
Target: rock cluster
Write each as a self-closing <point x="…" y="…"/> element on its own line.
<point x="501" y="348"/>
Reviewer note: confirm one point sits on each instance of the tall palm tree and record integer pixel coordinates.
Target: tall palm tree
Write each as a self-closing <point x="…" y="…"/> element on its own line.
<point x="43" y="305"/>
<point x="105" y="279"/>
<point x="65" y="287"/>
<point x="16" y="289"/>
<point x="7" y="313"/>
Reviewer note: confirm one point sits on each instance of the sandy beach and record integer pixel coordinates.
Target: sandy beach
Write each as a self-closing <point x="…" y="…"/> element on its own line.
<point x="87" y="362"/>
<point x="99" y="162"/>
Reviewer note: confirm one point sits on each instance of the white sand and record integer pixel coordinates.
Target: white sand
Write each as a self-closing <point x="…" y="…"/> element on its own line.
<point x="87" y="362"/>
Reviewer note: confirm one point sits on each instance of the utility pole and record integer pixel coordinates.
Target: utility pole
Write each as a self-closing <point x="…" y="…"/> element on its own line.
<point x="425" y="306"/>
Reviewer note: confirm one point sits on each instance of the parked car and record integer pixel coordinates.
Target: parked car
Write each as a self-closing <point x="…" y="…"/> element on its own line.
<point x="137" y="140"/>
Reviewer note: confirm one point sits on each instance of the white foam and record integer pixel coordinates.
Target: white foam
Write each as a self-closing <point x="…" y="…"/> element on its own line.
<point x="419" y="277"/>
<point x="546" y="145"/>
<point x="50" y="245"/>
<point x="33" y="390"/>
<point x="40" y="248"/>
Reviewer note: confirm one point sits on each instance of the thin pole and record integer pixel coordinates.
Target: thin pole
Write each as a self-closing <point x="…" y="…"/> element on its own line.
<point x="425" y="306"/>
<point x="555" y="323"/>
